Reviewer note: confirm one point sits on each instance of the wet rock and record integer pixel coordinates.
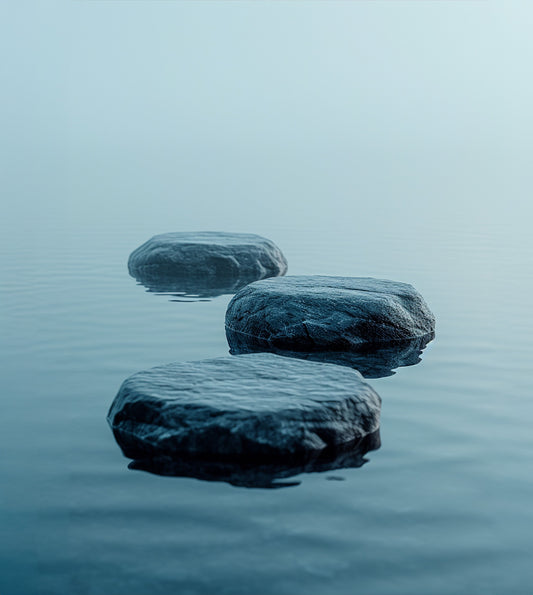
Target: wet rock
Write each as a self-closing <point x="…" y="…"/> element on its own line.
<point x="265" y="474"/>
<point x="328" y="313"/>
<point x="372" y="360"/>
<point x="261" y="406"/>
<point x="204" y="264"/>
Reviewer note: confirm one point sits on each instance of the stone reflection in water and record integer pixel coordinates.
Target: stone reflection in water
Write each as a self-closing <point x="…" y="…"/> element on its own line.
<point x="263" y="473"/>
<point x="372" y="361"/>
<point x="188" y="285"/>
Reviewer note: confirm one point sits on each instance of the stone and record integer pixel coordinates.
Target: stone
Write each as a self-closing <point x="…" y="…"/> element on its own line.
<point x="262" y="474"/>
<point x="328" y="313"/>
<point x="258" y="406"/>
<point x="205" y="264"/>
<point x="372" y="360"/>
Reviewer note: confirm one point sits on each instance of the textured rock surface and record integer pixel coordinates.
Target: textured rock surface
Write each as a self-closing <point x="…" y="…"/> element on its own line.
<point x="263" y="474"/>
<point x="205" y="263"/>
<point x="372" y="360"/>
<point x="328" y="313"/>
<point x="257" y="405"/>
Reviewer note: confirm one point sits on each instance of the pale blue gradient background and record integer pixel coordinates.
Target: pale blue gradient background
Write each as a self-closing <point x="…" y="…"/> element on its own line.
<point x="382" y="138"/>
<point x="269" y="110"/>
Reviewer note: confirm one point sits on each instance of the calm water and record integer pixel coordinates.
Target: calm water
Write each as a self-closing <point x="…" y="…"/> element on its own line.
<point x="443" y="507"/>
<point x="386" y="139"/>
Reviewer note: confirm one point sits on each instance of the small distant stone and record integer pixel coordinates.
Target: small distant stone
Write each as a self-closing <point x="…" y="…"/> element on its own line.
<point x="205" y="263"/>
<point x="241" y="407"/>
<point x="328" y="313"/>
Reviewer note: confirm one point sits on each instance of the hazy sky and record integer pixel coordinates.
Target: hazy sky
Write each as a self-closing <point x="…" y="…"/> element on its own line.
<point x="189" y="115"/>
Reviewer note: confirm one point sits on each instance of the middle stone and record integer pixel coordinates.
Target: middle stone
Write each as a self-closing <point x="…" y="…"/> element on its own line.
<point x="327" y="313"/>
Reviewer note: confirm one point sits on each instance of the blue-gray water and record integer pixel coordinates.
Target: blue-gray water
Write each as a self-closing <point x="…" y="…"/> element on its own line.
<point x="387" y="139"/>
<point x="444" y="506"/>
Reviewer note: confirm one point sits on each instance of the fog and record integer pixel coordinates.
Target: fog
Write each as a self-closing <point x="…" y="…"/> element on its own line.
<point x="244" y="115"/>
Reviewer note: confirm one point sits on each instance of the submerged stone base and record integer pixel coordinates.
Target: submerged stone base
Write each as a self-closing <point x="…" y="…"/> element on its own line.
<point x="263" y="474"/>
<point x="372" y="360"/>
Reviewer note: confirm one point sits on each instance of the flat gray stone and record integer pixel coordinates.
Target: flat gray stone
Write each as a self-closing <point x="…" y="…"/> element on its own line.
<point x="205" y="263"/>
<point x="257" y="405"/>
<point x="328" y="313"/>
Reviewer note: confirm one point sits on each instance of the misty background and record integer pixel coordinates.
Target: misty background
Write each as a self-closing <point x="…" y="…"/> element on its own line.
<point x="241" y="115"/>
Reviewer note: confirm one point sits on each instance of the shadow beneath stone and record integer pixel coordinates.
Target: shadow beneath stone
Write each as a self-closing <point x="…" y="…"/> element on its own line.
<point x="269" y="474"/>
<point x="372" y="361"/>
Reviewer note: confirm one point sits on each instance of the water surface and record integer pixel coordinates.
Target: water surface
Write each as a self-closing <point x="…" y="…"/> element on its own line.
<point x="443" y="506"/>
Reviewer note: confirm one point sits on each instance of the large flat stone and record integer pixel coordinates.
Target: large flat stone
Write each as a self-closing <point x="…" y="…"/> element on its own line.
<point x="205" y="263"/>
<point x="328" y="313"/>
<point x="245" y="406"/>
